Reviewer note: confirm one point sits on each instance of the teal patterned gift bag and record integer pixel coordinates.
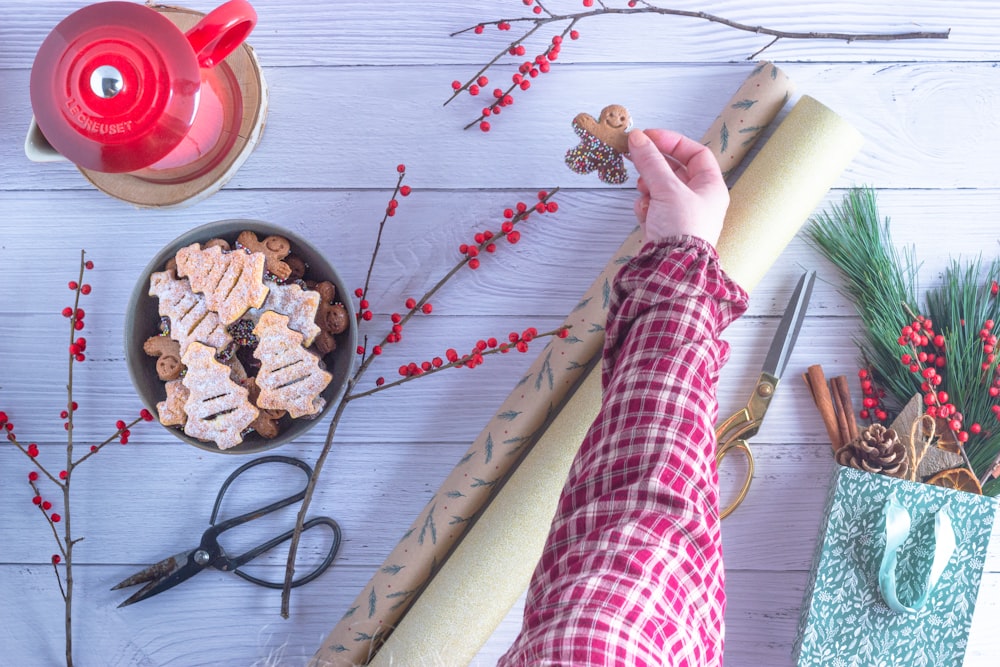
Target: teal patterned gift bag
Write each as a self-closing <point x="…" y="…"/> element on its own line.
<point x="896" y="575"/>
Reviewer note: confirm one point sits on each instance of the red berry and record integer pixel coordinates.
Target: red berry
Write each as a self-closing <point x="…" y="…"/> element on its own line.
<point x="473" y="89"/>
<point x="380" y="381"/>
<point x="574" y="34"/>
<point x="120" y="425"/>
<point x="56" y="518"/>
<point x="63" y="474"/>
<point x="405" y="190"/>
<point x="146" y="415"/>
<point x="456" y="84"/>
<point x="56" y="559"/>
<point x="89" y="265"/>
<point x="482" y="81"/>
<point x="78" y="325"/>
<point x="73" y="284"/>
<point x="478" y="29"/>
<point x="484" y="126"/>
<point x="359" y="292"/>
<point x="81" y="343"/>
<point x="426" y="309"/>
<point x="404" y="371"/>
<point x="80" y="356"/>
<point x="67" y="312"/>
<point x="473" y="263"/>
<point x="975" y="429"/>
<point x="367" y="316"/>
<point x="85" y="289"/>
<point x="361" y="349"/>
<point x="46" y="505"/>
<point x="411" y="303"/>
<point x="32" y="476"/>
<point x="401" y="168"/>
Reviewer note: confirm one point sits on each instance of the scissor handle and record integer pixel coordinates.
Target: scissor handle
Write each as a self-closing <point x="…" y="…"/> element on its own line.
<point x="250" y="516"/>
<point x="270" y="544"/>
<point x="722" y="452"/>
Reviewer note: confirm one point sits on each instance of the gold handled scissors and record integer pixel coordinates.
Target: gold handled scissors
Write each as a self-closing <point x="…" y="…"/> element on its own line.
<point x="733" y="433"/>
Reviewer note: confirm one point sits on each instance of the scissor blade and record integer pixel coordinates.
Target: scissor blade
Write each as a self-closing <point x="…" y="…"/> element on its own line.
<point x="160" y="576"/>
<point x="789" y="327"/>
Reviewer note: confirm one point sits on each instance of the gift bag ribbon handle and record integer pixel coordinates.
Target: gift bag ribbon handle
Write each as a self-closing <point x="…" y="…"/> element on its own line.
<point x="897" y="529"/>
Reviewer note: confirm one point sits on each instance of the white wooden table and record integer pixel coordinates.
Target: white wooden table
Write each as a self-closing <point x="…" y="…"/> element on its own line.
<point x="357" y="87"/>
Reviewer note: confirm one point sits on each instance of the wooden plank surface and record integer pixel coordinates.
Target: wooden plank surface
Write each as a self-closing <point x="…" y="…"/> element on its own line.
<point x="356" y="88"/>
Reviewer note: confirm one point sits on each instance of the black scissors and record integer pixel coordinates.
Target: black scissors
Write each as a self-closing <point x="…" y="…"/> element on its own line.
<point x="733" y="433"/>
<point x="209" y="553"/>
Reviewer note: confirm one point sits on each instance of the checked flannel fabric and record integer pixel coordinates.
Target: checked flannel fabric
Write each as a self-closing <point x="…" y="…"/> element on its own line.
<point x="631" y="573"/>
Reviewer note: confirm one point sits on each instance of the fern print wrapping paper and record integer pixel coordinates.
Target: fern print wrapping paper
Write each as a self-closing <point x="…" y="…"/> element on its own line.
<point x="846" y="622"/>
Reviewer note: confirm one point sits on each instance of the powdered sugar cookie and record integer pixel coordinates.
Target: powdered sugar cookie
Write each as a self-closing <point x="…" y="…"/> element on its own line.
<point x="190" y="317"/>
<point x="298" y="304"/>
<point x="217" y="409"/>
<point x="290" y="376"/>
<point x="232" y="282"/>
<point x="171" y="411"/>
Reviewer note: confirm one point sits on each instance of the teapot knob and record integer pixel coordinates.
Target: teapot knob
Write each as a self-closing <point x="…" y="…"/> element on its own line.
<point x="106" y="81"/>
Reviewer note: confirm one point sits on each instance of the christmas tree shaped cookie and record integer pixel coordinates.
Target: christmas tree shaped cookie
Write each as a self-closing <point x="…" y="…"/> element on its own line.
<point x="232" y="282"/>
<point x="190" y="317"/>
<point x="217" y="408"/>
<point x="290" y="376"/>
<point x="300" y="305"/>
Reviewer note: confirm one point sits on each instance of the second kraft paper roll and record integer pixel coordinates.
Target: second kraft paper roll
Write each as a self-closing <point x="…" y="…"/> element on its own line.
<point x="491" y="567"/>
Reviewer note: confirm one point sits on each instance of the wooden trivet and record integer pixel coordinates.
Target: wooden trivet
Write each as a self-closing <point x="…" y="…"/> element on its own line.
<point x="186" y="191"/>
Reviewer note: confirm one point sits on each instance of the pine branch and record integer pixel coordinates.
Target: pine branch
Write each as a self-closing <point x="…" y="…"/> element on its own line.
<point x="877" y="277"/>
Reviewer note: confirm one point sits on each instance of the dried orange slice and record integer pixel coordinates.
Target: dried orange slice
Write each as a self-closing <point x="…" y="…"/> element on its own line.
<point x="957" y="478"/>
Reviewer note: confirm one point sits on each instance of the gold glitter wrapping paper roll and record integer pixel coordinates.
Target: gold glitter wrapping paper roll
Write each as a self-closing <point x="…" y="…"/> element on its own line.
<point x="492" y="566"/>
<point x="782" y="187"/>
<point x="518" y="423"/>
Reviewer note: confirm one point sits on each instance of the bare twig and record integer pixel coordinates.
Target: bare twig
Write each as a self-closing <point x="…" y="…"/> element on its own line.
<point x="543" y="17"/>
<point x="350" y="395"/>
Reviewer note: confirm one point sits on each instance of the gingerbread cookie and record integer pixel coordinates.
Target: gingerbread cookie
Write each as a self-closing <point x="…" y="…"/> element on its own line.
<point x="297" y="266"/>
<point x="171" y="411"/>
<point x="232" y="282"/>
<point x="602" y="144"/>
<point x="217" y="409"/>
<point x="331" y="318"/>
<point x="290" y="376"/>
<point x="274" y="249"/>
<point x="267" y="422"/>
<point x="168" y="356"/>
<point x="301" y="307"/>
<point x="189" y="315"/>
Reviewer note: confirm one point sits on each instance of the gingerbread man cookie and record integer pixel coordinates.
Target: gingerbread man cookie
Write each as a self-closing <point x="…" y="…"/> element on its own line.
<point x="274" y="248"/>
<point x="331" y="317"/>
<point x="168" y="356"/>
<point x="602" y="144"/>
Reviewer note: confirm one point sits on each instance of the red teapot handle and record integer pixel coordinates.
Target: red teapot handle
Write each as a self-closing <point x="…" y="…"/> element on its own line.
<point x="221" y="31"/>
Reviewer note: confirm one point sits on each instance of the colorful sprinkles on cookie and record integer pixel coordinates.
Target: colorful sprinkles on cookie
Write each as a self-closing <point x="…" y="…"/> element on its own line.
<point x="602" y="144"/>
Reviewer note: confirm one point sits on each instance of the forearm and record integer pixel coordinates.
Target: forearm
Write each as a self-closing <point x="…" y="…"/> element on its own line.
<point x="632" y="566"/>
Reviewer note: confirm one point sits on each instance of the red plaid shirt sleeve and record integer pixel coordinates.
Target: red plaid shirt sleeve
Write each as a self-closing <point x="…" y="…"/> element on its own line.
<point x="631" y="573"/>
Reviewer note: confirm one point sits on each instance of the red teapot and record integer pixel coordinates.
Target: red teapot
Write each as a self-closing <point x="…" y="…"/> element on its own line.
<point x="117" y="87"/>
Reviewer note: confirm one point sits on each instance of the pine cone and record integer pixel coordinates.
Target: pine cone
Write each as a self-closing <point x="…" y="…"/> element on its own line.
<point x="878" y="450"/>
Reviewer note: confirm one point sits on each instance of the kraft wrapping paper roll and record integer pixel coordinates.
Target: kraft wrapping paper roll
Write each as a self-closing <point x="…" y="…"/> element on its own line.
<point x="523" y="417"/>
<point x="492" y="566"/>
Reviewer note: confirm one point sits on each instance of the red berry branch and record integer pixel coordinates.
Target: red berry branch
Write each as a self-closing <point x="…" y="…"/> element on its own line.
<point x="484" y="243"/>
<point x="565" y="26"/>
<point x="64" y="478"/>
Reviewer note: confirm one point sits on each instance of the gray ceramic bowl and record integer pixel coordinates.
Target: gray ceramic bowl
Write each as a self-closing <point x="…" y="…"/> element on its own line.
<point x="142" y="321"/>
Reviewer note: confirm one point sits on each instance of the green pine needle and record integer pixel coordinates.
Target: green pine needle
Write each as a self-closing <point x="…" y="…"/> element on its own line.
<point x="877" y="278"/>
<point x="882" y="283"/>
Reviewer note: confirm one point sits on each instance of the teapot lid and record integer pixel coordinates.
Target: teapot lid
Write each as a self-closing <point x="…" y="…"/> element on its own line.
<point x="114" y="87"/>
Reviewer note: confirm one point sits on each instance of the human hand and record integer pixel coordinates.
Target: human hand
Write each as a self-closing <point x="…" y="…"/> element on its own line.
<point x="681" y="190"/>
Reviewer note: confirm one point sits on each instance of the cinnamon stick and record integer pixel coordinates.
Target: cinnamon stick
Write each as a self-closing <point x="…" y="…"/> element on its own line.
<point x="845" y="409"/>
<point x="816" y="381"/>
